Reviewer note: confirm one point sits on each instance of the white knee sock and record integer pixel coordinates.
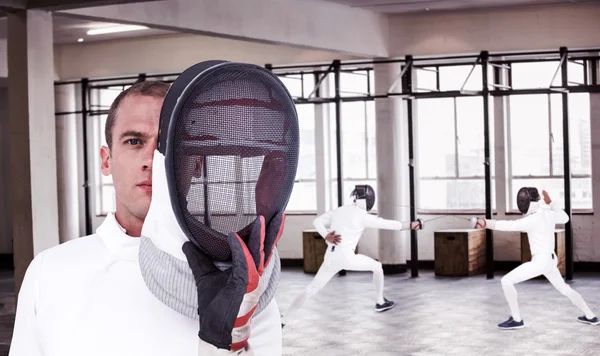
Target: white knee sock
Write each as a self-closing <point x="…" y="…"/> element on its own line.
<point x="378" y="282"/>
<point x="510" y="292"/>
<point x="580" y="303"/>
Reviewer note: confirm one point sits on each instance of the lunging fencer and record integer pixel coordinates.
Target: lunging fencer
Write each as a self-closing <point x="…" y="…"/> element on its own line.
<point x="539" y="224"/>
<point x="342" y="229"/>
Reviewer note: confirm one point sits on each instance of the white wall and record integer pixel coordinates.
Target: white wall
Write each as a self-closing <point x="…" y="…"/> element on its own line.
<point x="520" y="29"/>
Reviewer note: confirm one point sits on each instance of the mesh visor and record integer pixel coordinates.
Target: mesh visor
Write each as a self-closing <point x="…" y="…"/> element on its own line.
<point x="234" y="153"/>
<point x="525" y="196"/>
<point x="365" y="192"/>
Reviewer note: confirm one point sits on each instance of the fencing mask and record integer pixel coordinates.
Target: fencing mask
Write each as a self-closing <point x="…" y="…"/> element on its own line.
<point x="527" y="200"/>
<point x="222" y="176"/>
<point x="364" y="196"/>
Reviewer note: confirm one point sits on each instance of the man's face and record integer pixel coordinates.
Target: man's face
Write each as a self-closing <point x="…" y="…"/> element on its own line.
<point x="129" y="161"/>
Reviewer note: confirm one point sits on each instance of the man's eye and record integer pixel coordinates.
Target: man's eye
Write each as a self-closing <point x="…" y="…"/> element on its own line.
<point x="133" y="141"/>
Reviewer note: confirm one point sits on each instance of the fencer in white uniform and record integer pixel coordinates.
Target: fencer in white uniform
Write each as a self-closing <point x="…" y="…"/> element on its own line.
<point x="539" y="223"/>
<point x="342" y="228"/>
<point x="87" y="297"/>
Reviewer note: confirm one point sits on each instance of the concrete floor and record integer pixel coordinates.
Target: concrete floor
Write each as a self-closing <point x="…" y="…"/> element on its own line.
<point x="433" y="316"/>
<point x="437" y="316"/>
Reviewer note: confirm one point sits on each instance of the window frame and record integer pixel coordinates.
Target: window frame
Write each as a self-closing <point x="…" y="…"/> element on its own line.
<point x="510" y="210"/>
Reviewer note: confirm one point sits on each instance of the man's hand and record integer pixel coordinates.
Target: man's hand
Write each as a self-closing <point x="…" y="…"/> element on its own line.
<point x="546" y="197"/>
<point x="227" y="300"/>
<point x="417" y="225"/>
<point x="478" y="223"/>
<point x="333" y="238"/>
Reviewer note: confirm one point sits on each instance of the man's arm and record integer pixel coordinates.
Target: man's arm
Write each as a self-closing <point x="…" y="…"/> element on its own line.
<point x="560" y="216"/>
<point x="375" y="222"/>
<point x="322" y="222"/>
<point x="24" y="339"/>
<point x="522" y="224"/>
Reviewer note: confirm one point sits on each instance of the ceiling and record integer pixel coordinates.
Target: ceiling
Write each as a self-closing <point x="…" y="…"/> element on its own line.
<point x="70" y="30"/>
<point x="413" y="6"/>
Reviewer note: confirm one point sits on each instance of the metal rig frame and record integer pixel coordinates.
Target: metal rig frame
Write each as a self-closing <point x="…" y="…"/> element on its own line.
<point x="500" y="85"/>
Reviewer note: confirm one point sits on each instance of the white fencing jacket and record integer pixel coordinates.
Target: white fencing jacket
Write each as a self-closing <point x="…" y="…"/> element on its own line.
<point x="87" y="297"/>
<point x="349" y="221"/>
<point x="539" y="224"/>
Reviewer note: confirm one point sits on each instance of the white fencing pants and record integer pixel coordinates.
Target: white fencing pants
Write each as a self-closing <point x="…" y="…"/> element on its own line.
<point x="337" y="259"/>
<point x="546" y="264"/>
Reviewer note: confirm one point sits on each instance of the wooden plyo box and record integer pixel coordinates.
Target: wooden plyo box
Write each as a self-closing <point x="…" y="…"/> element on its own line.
<point x="459" y="252"/>
<point x="559" y="249"/>
<point x="314" y="247"/>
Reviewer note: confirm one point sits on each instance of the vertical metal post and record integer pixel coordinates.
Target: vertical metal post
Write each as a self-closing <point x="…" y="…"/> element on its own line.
<point x="567" y="165"/>
<point x="86" y="177"/>
<point x="338" y="131"/>
<point x="489" y="236"/>
<point x="407" y="87"/>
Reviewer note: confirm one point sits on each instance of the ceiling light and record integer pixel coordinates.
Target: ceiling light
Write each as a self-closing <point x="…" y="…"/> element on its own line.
<point x="114" y="29"/>
<point x="80" y="40"/>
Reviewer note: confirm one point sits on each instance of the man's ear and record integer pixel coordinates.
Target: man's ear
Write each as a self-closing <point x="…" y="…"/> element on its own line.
<point x="105" y="157"/>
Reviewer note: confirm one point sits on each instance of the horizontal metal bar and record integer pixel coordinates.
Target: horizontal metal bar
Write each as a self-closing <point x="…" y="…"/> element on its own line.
<point x="529" y="60"/>
<point x="455" y="178"/>
<point x="576" y="176"/>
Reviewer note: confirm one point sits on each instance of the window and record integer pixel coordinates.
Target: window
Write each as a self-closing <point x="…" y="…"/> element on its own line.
<point x="451" y="153"/>
<point x="542" y="74"/>
<point x="101" y="100"/>
<point x="304" y="194"/>
<point x="536" y="146"/>
<point x="358" y="145"/>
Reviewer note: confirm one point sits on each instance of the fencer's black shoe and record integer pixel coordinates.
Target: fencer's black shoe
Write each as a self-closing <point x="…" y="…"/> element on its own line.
<point x="388" y="304"/>
<point x="592" y="321"/>
<point x="511" y="324"/>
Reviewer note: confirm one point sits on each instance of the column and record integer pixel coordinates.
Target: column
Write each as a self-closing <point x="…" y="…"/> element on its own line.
<point x="392" y="170"/>
<point x="68" y="149"/>
<point x="32" y="194"/>
<point x="591" y="247"/>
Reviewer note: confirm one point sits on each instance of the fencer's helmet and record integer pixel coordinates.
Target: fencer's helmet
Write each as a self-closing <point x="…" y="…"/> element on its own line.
<point x="364" y="196"/>
<point x="526" y="198"/>
<point x="230" y="136"/>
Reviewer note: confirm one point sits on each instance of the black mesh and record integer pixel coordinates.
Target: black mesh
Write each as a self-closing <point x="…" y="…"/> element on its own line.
<point x="525" y="196"/>
<point x="366" y="192"/>
<point x="235" y="153"/>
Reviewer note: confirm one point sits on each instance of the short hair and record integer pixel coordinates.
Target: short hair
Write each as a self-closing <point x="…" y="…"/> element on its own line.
<point x="153" y="88"/>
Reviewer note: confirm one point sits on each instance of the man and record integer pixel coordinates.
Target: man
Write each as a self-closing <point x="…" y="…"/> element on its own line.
<point x="87" y="296"/>
<point x="539" y="224"/>
<point x="342" y="229"/>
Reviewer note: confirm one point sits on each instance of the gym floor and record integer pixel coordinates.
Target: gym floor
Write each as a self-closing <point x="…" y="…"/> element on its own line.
<point x="433" y="317"/>
<point x="437" y="317"/>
